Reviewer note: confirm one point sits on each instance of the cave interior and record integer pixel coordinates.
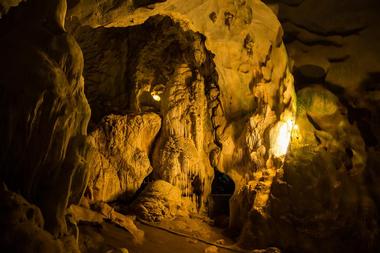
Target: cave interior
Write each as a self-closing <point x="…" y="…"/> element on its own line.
<point x="149" y="126"/>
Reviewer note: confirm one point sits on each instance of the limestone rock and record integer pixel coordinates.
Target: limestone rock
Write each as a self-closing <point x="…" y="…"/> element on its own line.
<point x="179" y="156"/>
<point x="321" y="183"/>
<point x="121" y="161"/>
<point x="211" y="249"/>
<point x="249" y="88"/>
<point x="105" y="212"/>
<point x="174" y="76"/>
<point x="319" y="113"/>
<point x="23" y="223"/>
<point x="159" y="200"/>
<point x="345" y="46"/>
<point x="5" y="5"/>
<point x="43" y="108"/>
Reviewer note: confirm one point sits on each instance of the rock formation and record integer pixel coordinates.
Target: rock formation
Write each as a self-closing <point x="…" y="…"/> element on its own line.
<point x="23" y="223"/>
<point x="235" y="131"/>
<point x="179" y="91"/>
<point x="44" y="110"/>
<point x="159" y="200"/>
<point x="321" y="183"/>
<point x="121" y="155"/>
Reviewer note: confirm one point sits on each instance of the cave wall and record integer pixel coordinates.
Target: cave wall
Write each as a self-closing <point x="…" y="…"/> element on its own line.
<point x="330" y="172"/>
<point x="226" y="95"/>
<point x="250" y="97"/>
<point x="334" y="49"/>
<point x="164" y="58"/>
<point x="335" y="44"/>
<point x="44" y="110"/>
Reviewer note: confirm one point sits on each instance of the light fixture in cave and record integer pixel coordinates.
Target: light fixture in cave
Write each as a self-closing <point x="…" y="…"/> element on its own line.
<point x="157" y="91"/>
<point x="156" y="97"/>
<point x="282" y="135"/>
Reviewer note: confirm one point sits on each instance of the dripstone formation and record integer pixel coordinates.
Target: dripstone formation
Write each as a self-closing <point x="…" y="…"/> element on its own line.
<point x="118" y="108"/>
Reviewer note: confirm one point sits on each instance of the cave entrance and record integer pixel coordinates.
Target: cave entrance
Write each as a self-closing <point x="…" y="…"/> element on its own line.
<point x="222" y="188"/>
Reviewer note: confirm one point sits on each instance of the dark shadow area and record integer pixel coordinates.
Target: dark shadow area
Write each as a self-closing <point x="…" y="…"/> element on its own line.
<point x="222" y="189"/>
<point x="147" y="180"/>
<point x="308" y="74"/>
<point x="143" y="3"/>
<point x="372" y="82"/>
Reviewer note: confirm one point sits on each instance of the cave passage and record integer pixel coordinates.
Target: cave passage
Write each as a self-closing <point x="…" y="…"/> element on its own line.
<point x="222" y="189"/>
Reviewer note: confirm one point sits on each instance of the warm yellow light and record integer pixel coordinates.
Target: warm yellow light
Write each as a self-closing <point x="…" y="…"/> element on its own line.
<point x="156" y="97"/>
<point x="282" y="137"/>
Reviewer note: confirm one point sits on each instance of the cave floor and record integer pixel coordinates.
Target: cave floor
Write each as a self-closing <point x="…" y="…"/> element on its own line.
<point x="108" y="237"/>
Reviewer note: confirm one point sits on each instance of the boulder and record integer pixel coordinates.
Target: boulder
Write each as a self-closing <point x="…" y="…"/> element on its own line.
<point x="121" y="161"/>
<point x="159" y="200"/>
<point x="22" y="226"/>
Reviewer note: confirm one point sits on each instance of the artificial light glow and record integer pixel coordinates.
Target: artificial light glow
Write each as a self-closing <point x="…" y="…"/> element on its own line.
<point x="156" y="97"/>
<point x="282" y="137"/>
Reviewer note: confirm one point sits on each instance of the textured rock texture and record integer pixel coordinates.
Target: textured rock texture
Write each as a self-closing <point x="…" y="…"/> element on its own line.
<point x="23" y="223"/>
<point x="340" y="52"/>
<point x="103" y="213"/>
<point x="171" y="63"/>
<point x="5" y="5"/>
<point x="219" y="99"/>
<point x="320" y="194"/>
<point x="121" y="159"/>
<point x="335" y="44"/>
<point x="44" y="110"/>
<point x="186" y="89"/>
<point x="159" y="200"/>
<point x="180" y="154"/>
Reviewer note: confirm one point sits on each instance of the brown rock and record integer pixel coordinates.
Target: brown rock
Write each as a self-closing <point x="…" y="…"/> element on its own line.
<point x="159" y="200"/>
<point x="211" y="249"/>
<point x="44" y="111"/>
<point x="122" y="145"/>
<point x="23" y="223"/>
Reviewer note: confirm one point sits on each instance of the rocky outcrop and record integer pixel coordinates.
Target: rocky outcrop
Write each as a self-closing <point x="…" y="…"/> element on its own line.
<point x="5" y="5"/>
<point x="232" y="59"/>
<point x="23" y="223"/>
<point x="102" y="213"/>
<point x="181" y="154"/>
<point x="159" y="200"/>
<point x="169" y="72"/>
<point x="340" y="52"/>
<point x="320" y="194"/>
<point x="121" y="159"/>
<point x="44" y="110"/>
<point x="205" y="86"/>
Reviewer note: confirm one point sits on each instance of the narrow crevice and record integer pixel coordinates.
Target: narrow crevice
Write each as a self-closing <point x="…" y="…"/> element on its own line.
<point x="223" y="188"/>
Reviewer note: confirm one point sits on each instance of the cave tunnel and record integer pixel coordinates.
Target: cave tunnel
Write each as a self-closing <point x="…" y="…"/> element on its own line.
<point x="222" y="189"/>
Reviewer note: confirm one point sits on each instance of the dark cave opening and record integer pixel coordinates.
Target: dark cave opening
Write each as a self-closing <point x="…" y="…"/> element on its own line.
<point x="222" y="189"/>
<point x="147" y="180"/>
